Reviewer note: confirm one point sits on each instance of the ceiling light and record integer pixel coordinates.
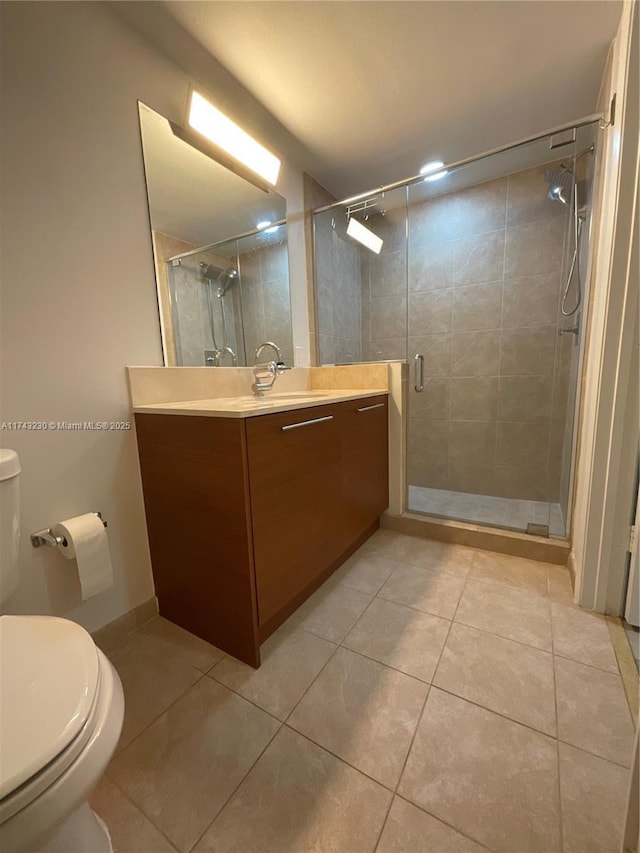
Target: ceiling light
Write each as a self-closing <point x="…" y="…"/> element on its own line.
<point x="215" y="126"/>
<point x="431" y="170"/>
<point x="264" y="226"/>
<point x="363" y="235"/>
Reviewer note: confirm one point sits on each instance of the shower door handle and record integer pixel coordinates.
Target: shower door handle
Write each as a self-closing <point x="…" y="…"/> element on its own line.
<point x="418" y="371"/>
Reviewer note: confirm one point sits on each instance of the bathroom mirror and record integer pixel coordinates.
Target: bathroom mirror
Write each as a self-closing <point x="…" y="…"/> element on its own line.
<point x="220" y="254"/>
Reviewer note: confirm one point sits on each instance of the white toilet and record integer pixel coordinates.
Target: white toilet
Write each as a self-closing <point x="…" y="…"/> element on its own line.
<point x="61" y="711"/>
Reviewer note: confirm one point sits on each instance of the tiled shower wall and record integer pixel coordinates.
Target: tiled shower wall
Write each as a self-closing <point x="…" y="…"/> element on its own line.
<point x="266" y="304"/>
<point x="485" y="274"/>
<point x="338" y="293"/>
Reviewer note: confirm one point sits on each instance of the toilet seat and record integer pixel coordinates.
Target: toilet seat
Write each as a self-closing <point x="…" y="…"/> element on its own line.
<point x="43" y="813"/>
<point x="51" y="696"/>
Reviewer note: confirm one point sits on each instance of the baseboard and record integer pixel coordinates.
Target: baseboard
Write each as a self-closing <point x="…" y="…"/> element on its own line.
<point x="500" y="541"/>
<point x="626" y="664"/>
<point x="111" y="634"/>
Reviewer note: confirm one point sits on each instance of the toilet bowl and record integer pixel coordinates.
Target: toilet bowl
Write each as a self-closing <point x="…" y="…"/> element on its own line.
<point x="61" y="712"/>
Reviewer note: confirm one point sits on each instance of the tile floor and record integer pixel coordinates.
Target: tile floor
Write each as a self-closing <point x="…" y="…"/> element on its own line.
<point x="429" y="698"/>
<point x="502" y="512"/>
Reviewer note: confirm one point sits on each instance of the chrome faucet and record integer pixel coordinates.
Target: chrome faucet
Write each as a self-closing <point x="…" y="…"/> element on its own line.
<point x="273" y="346"/>
<point x="265" y="374"/>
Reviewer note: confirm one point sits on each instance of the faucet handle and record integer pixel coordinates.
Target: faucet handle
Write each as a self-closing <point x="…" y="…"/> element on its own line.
<point x="281" y="366"/>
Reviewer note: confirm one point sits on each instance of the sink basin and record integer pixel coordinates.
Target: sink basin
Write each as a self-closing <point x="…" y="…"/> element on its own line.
<point x="295" y="395"/>
<point x="252" y="402"/>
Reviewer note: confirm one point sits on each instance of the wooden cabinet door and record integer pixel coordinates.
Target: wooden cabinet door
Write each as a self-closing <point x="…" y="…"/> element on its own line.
<point x="365" y="463"/>
<point x="194" y="475"/>
<point x="295" y="477"/>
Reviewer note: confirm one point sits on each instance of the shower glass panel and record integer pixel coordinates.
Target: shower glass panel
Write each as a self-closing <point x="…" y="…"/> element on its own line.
<point x="480" y="286"/>
<point x="361" y="294"/>
<point x="229" y="298"/>
<point x="490" y="250"/>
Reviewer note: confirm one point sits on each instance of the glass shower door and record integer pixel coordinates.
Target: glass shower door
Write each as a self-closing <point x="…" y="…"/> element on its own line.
<point x="490" y="248"/>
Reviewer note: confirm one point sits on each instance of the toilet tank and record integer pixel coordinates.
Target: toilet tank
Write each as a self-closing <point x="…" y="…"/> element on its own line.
<point x="9" y="521"/>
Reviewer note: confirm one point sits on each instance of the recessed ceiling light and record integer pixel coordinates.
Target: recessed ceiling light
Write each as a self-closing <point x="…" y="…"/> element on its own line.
<point x="226" y="134"/>
<point x="363" y="235"/>
<point x="264" y="226"/>
<point x="433" y="170"/>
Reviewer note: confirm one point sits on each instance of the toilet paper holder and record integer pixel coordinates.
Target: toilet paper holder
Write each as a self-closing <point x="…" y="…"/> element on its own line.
<point x="48" y="538"/>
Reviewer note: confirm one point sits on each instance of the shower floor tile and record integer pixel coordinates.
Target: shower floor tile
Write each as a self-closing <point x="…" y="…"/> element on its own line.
<point x="502" y="512"/>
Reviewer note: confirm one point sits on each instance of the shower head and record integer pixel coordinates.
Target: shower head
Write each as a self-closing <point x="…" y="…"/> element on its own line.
<point x="560" y="182"/>
<point x="210" y="271"/>
<point x="228" y="277"/>
<point x="557" y="193"/>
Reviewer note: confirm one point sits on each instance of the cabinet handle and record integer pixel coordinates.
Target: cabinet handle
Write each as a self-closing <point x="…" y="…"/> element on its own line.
<point x="368" y="408"/>
<point x="307" y="423"/>
<point x="418" y="365"/>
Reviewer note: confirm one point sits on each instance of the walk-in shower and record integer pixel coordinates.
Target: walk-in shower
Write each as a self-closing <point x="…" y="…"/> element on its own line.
<point x="218" y="282"/>
<point x="228" y="297"/>
<point x="480" y="284"/>
<point x="565" y="188"/>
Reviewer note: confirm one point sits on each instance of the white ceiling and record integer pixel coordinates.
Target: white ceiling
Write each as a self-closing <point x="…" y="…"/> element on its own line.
<point x="373" y="89"/>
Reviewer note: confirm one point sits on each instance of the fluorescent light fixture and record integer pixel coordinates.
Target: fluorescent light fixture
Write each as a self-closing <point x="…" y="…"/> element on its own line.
<point x="264" y="226"/>
<point x="226" y="134"/>
<point x="363" y="235"/>
<point x="431" y="170"/>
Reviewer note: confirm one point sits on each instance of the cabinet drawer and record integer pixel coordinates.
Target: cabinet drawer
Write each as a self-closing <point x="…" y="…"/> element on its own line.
<point x="295" y="479"/>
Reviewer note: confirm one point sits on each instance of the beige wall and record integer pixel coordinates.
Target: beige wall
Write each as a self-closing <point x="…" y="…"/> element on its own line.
<point x="78" y="291"/>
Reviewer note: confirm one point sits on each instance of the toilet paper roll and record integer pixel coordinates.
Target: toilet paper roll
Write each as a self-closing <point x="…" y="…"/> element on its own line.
<point x="86" y="541"/>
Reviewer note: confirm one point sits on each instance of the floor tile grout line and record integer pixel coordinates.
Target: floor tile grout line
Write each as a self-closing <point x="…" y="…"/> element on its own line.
<point x="589" y="665"/>
<point x="246" y="699"/>
<point x="384" y="823"/>
<point x="626" y="767"/>
<point x="405" y="799"/>
<point x="424" y="704"/>
<point x="594" y="754"/>
<point x="338" y="757"/>
<point x="119" y="752"/>
<point x="502" y="637"/>
<point x="313" y="681"/>
<point x="555" y="706"/>
<point x="501" y="714"/>
<point x="419" y="720"/>
<point x="232" y="794"/>
<point x="407" y="564"/>
<point x="138" y="808"/>
<point x="360" y="617"/>
<point x="386" y="665"/>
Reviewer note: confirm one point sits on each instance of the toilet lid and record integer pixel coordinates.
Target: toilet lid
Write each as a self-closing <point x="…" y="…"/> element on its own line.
<point x="49" y="675"/>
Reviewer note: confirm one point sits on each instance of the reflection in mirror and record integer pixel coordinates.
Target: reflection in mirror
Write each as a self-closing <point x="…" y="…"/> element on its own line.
<point x="220" y="251"/>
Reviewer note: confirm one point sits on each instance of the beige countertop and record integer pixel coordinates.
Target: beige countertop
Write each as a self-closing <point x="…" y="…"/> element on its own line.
<point x="250" y="406"/>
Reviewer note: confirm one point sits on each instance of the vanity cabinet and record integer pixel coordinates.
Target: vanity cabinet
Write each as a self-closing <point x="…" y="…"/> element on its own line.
<point x="248" y="516"/>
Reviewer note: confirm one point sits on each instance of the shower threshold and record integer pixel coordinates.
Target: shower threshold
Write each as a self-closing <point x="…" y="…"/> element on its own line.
<point x="485" y="509"/>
